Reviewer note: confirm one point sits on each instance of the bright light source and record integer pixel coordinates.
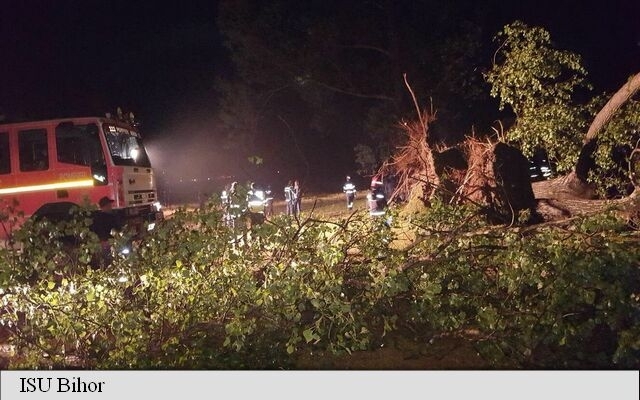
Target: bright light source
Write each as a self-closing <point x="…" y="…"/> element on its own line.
<point x="47" y="186"/>
<point x="100" y="178"/>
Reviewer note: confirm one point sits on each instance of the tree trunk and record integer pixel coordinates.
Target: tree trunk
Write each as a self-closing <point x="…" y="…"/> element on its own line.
<point x="589" y="144"/>
<point x="575" y="185"/>
<point x="619" y="98"/>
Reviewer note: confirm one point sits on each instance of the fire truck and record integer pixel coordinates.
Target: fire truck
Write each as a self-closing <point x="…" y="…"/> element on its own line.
<point x="48" y="167"/>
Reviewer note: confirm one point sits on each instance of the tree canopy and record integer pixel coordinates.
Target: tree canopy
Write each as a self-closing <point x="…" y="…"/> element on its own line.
<point x="543" y="87"/>
<point x="334" y="70"/>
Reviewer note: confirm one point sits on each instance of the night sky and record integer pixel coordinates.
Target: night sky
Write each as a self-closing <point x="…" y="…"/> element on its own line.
<point x="160" y="59"/>
<point x="73" y="57"/>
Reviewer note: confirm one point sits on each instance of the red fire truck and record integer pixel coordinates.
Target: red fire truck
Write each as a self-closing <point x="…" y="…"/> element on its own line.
<point x="47" y="167"/>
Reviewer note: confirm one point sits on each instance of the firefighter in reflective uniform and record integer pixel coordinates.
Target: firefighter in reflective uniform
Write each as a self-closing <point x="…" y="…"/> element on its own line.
<point x="290" y="197"/>
<point x="256" y="205"/>
<point x="376" y="198"/>
<point x="350" y="190"/>
<point x="230" y="205"/>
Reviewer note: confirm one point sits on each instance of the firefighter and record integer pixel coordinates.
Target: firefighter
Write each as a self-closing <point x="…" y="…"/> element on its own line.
<point x="256" y="204"/>
<point x="290" y="197"/>
<point x="298" y="198"/>
<point x="230" y="204"/>
<point x="268" y="201"/>
<point x="376" y="199"/>
<point x="350" y="190"/>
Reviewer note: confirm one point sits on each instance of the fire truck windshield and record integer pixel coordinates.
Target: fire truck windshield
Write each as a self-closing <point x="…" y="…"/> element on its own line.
<point x="126" y="146"/>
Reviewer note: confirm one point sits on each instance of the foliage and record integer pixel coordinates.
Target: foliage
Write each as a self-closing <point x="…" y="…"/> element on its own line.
<point x="553" y="297"/>
<point x="366" y="160"/>
<point x="538" y="83"/>
<point x="197" y="294"/>
<point x="615" y="144"/>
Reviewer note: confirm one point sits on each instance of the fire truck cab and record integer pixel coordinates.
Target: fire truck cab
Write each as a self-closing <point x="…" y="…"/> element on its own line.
<point x="47" y="167"/>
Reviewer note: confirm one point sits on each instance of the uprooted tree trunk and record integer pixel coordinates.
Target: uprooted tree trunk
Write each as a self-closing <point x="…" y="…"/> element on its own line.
<point x="414" y="165"/>
<point x="497" y="178"/>
<point x="492" y="175"/>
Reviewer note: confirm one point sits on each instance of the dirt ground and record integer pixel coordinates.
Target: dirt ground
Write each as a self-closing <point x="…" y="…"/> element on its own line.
<point x="328" y="205"/>
<point x="444" y="354"/>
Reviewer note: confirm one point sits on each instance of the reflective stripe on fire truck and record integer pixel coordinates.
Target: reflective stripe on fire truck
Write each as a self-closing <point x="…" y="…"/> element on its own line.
<point x="48" y="186"/>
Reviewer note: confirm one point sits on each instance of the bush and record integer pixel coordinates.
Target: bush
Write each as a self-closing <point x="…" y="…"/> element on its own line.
<point x="196" y="294"/>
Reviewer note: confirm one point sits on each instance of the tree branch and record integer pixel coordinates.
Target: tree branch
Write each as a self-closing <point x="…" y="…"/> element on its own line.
<point x="590" y="143"/>
<point x="367" y="47"/>
<point x="415" y="102"/>
<point x="355" y="94"/>
<point x="603" y="117"/>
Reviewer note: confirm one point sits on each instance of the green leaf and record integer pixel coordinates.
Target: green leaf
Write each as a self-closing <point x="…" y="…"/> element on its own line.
<point x="308" y="335"/>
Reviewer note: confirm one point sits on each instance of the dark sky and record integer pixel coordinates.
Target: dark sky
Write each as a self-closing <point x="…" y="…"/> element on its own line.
<point x="159" y="59"/>
<point x="606" y="34"/>
<point x="68" y="57"/>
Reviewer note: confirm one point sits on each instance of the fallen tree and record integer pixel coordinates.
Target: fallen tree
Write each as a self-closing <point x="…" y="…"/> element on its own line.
<point x="575" y="184"/>
<point x="573" y="193"/>
<point x="537" y="82"/>
<point x="491" y="174"/>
